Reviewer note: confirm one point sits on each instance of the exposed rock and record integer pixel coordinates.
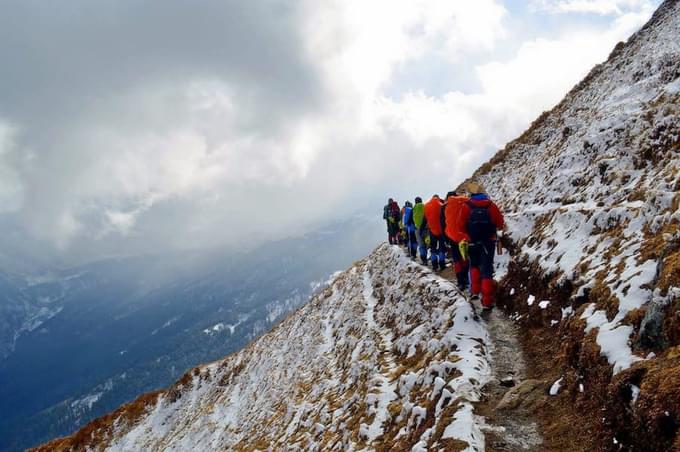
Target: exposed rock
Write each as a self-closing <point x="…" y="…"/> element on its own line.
<point x="526" y="394"/>
<point x="507" y="382"/>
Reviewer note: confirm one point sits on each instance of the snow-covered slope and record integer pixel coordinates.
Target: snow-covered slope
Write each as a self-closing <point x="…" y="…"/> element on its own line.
<point x="591" y="190"/>
<point x="591" y="193"/>
<point x="386" y="354"/>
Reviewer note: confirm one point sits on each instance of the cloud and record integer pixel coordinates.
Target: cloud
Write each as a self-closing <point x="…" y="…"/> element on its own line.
<point x="602" y="7"/>
<point x="136" y="129"/>
<point x="11" y="187"/>
<point x="122" y="103"/>
<point x="543" y="70"/>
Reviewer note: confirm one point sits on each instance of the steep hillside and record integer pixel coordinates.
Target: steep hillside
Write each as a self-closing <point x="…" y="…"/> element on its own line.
<point x="386" y="355"/>
<point x="121" y="327"/>
<point x="591" y="193"/>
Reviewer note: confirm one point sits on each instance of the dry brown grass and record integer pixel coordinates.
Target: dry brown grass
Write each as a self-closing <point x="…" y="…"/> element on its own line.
<point x="97" y="433"/>
<point x="574" y="420"/>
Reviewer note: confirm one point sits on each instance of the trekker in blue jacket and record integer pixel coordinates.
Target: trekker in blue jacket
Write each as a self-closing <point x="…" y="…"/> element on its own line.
<point x="410" y="227"/>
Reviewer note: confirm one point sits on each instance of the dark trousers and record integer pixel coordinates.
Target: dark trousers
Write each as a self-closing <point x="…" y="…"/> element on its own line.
<point x="412" y="242"/>
<point x="460" y="265"/>
<point x="481" y="257"/>
<point x="392" y="233"/>
<point x="437" y="249"/>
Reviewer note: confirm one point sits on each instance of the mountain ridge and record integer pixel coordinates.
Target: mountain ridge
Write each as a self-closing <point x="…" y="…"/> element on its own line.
<point x="367" y="322"/>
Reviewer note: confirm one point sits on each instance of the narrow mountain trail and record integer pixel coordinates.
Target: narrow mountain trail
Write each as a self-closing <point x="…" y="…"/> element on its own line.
<point x="384" y="387"/>
<point x="509" y="425"/>
<point x="512" y="426"/>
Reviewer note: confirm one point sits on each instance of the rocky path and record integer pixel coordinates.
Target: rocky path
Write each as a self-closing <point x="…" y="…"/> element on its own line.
<point x="509" y="396"/>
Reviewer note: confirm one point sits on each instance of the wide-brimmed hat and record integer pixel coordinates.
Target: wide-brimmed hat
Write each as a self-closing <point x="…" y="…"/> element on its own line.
<point x="474" y="188"/>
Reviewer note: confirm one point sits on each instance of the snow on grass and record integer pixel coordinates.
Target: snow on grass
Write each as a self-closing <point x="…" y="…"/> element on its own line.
<point x="379" y="400"/>
<point x="328" y="340"/>
<point x="634" y="394"/>
<point x="370" y="300"/>
<point x="612" y="337"/>
<point x="387" y="336"/>
<point x="587" y="199"/>
<point x="466" y="427"/>
<point x="555" y="388"/>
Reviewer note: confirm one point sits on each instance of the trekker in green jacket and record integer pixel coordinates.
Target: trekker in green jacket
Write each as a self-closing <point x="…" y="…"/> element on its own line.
<point x="421" y="228"/>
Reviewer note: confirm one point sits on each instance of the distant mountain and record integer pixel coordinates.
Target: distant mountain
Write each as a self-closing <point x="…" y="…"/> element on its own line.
<point x="93" y="337"/>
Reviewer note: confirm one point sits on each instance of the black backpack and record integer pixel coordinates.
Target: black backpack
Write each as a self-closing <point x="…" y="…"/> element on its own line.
<point x="479" y="225"/>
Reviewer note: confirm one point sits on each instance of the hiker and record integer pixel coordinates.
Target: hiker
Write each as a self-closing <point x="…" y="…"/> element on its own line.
<point x="418" y="214"/>
<point x="433" y="216"/>
<point x="410" y="228"/>
<point x="451" y="212"/>
<point x="392" y="216"/>
<point x="403" y="239"/>
<point x="478" y="221"/>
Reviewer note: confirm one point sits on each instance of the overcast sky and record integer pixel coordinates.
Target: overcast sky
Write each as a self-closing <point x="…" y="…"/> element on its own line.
<point x="130" y="126"/>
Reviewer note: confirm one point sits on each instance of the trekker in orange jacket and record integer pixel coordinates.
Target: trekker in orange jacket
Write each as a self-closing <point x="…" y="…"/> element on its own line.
<point x="451" y="212"/>
<point x="479" y="220"/>
<point x="434" y="223"/>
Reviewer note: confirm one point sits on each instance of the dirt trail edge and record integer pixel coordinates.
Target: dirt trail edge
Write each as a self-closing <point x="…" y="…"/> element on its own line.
<point x="510" y="399"/>
<point x="509" y="396"/>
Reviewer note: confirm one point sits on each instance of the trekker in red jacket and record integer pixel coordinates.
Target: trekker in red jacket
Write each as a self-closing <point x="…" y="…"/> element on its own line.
<point x="451" y="212"/>
<point x="479" y="220"/>
<point x="434" y="223"/>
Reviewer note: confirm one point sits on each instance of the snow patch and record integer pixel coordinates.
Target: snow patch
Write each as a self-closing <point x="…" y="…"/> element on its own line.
<point x="555" y="388"/>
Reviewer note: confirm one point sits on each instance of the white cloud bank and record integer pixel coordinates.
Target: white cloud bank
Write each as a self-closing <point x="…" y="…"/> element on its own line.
<point x="198" y="150"/>
<point x="603" y="7"/>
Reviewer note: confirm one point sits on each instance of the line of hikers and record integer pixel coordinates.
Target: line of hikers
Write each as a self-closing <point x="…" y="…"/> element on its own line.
<point x="467" y="225"/>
